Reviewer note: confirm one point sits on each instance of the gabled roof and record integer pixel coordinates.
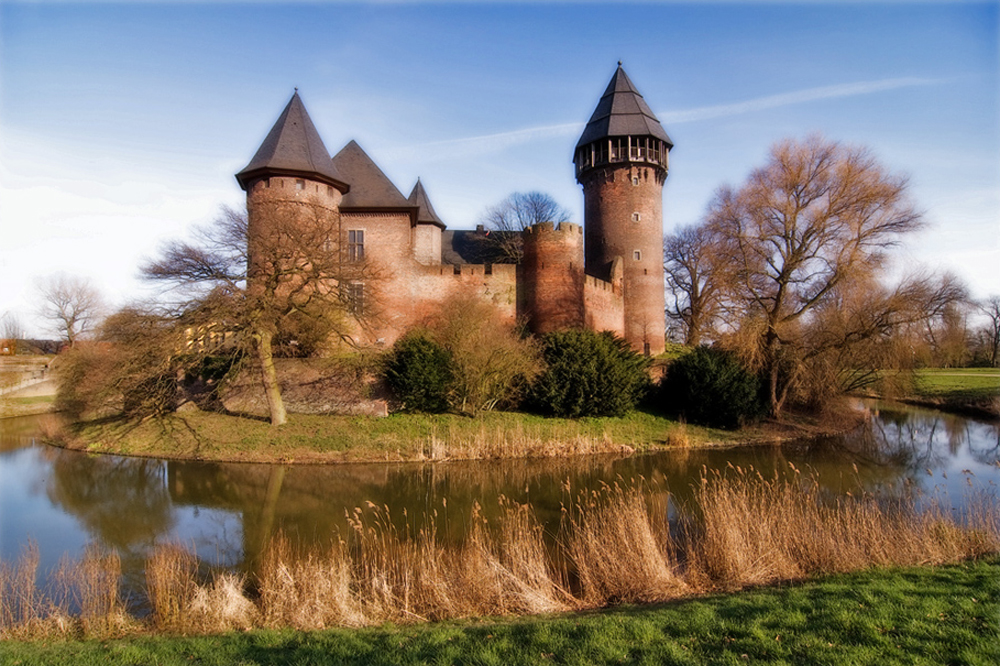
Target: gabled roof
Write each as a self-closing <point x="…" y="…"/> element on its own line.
<point x="622" y="112"/>
<point x="293" y="147"/>
<point x="370" y="188"/>
<point x="426" y="214"/>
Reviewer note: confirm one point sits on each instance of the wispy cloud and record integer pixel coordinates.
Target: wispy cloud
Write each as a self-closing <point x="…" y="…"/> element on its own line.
<point x="792" y="98"/>
<point x="493" y="143"/>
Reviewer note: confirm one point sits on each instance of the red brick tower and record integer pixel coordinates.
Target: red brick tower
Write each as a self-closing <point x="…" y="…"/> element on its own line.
<point x="621" y="162"/>
<point x="551" y="274"/>
<point x="291" y="173"/>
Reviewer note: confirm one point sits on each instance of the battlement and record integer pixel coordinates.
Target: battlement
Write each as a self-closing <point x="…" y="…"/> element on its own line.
<point x="549" y="229"/>
<point x="503" y="271"/>
<point x="591" y="282"/>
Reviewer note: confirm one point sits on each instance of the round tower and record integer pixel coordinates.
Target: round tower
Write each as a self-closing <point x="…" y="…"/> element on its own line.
<point x="621" y="162"/>
<point x="552" y="274"/>
<point x="291" y="180"/>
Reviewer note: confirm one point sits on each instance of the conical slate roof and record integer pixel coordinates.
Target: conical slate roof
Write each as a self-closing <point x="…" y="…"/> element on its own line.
<point x="293" y="147"/>
<point x="622" y="112"/>
<point x="426" y="214"/>
<point x="370" y="188"/>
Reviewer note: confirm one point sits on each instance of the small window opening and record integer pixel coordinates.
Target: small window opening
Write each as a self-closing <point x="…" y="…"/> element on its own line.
<point x="300" y="184"/>
<point x="356" y="245"/>
<point x="637" y="255"/>
<point x="636" y="217"/>
<point x="635" y="180"/>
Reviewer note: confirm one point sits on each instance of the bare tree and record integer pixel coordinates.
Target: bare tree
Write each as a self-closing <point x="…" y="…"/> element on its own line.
<point x="817" y="216"/>
<point x="71" y="305"/>
<point x="519" y="211"/>
<point x="11" y="327"/>
<point x="698" y="278"/>
<point x="991" y="308"/>
<point x="291" y="266"/>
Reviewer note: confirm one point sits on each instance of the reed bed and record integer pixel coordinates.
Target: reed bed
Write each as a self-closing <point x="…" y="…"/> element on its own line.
<point x="613" y="545"/>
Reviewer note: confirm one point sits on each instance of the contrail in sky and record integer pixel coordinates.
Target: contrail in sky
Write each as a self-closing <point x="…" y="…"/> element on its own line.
<point x="491" y="143"/>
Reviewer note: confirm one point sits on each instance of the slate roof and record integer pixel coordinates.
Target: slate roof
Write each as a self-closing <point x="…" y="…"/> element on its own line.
<point x="293" y="147"/>
<point x="370" y="188"/>
<point x="463" y="246"/>
<point x="622" y="112"/>
<point x="426" y="214"/>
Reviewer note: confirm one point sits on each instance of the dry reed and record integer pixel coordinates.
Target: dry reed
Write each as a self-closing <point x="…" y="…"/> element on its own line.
<point x="620" y="552"/>
<point x="614" y="545"/>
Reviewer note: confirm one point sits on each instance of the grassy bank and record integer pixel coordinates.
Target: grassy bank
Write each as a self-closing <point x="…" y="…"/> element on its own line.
<point x="975" y="391"/>
<point x="945" y="615"/>
<point x="324" y="438"/>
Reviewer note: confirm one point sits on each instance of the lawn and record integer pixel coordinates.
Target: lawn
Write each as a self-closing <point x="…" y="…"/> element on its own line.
<point x="970" y="384"/>
<point x="324" y="438"/>
<point x="945" y="615"/>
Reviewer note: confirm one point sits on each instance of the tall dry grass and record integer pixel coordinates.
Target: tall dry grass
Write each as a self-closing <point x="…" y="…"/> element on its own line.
<point x="614" y="545"/>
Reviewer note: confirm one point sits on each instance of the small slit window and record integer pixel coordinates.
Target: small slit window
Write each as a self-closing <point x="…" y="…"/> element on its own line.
<point x="636" y="217"/>
<point x="635" y="180"/>
<point x="637" y="255"/>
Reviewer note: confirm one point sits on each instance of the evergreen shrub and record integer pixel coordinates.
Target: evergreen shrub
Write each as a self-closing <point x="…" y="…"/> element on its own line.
<point x="419" y="372"/>
<point x="588" y="374"/>
<point x="710" y="387"/>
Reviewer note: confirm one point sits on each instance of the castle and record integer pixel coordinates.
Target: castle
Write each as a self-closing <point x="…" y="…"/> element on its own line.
<point x="606" y="275"/>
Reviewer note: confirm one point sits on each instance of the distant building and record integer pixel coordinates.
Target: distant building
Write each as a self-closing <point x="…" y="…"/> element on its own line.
<point x="606" y="275"/>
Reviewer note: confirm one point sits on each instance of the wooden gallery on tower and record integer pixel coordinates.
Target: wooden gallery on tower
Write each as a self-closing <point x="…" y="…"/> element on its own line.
<point x="606" y="275"/>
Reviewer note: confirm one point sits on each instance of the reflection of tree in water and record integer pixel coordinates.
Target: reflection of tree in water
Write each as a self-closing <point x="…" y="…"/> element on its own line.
<point x="122" y="502"/>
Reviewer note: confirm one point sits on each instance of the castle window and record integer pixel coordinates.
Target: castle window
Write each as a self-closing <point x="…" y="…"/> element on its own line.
<point x="329" y="190"/>
<point x="637" y="255"/>
<point x="267" y="182"/>
<point x="300" y="184"/>
<point x="636" y="217"/>
<point x="356" y="245"/>
<point x="635" y="180"/>
<point x="354" y="296"/>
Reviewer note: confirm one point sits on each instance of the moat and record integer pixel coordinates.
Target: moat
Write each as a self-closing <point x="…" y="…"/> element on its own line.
<point x="63" y="500"/>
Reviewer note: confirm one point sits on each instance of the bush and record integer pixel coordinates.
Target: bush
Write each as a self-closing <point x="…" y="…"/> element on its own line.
<point x="588" y="374"/>
<point x="419" y="372"/>
<point x="491" y="363"/>
<point x="711" y="387"/>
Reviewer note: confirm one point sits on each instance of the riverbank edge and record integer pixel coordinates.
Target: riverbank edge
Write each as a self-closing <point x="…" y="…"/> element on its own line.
<point x="408" y="438"/>
<point x="872" y="616"/>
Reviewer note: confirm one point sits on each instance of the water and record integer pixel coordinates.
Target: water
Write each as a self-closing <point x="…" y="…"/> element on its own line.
<point x="65" y="500"/>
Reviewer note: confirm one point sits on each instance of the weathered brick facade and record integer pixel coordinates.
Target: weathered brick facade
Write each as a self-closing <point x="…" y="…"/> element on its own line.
<point x="606" y="275"/>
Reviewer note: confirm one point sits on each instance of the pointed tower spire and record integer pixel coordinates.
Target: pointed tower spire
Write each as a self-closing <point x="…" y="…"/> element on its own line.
<point x="622" y="112"/>
<point x="293" y="147"/>
<point x="426" y="214"/>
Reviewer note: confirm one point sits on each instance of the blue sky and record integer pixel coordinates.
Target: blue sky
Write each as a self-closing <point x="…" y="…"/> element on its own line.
<point x="122" y="124"/>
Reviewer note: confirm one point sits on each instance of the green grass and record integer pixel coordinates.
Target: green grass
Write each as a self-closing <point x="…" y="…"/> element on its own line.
<point x="319" y="438"/>
<point x="945" y="615"/>
<point x="958" y="384"/>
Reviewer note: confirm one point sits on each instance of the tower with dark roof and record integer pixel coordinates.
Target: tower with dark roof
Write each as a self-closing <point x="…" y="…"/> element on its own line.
<point x="621" y="162"/>
<point x="291" y="174"/>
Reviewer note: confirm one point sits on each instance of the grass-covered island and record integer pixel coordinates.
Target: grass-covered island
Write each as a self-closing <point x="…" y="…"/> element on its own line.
<point x="925" y="615"/>
<point x="308" y="438"/>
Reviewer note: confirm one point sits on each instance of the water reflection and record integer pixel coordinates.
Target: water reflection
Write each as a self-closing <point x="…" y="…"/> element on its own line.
<point x="228" y="512"/>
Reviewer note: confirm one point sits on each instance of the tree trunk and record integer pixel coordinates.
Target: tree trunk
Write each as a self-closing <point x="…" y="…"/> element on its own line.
<point x="269" y="378"/>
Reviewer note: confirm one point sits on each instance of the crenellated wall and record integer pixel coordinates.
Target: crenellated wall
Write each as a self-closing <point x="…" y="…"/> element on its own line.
<point x="551" y="277"/>
<point x="603" y="306"/>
